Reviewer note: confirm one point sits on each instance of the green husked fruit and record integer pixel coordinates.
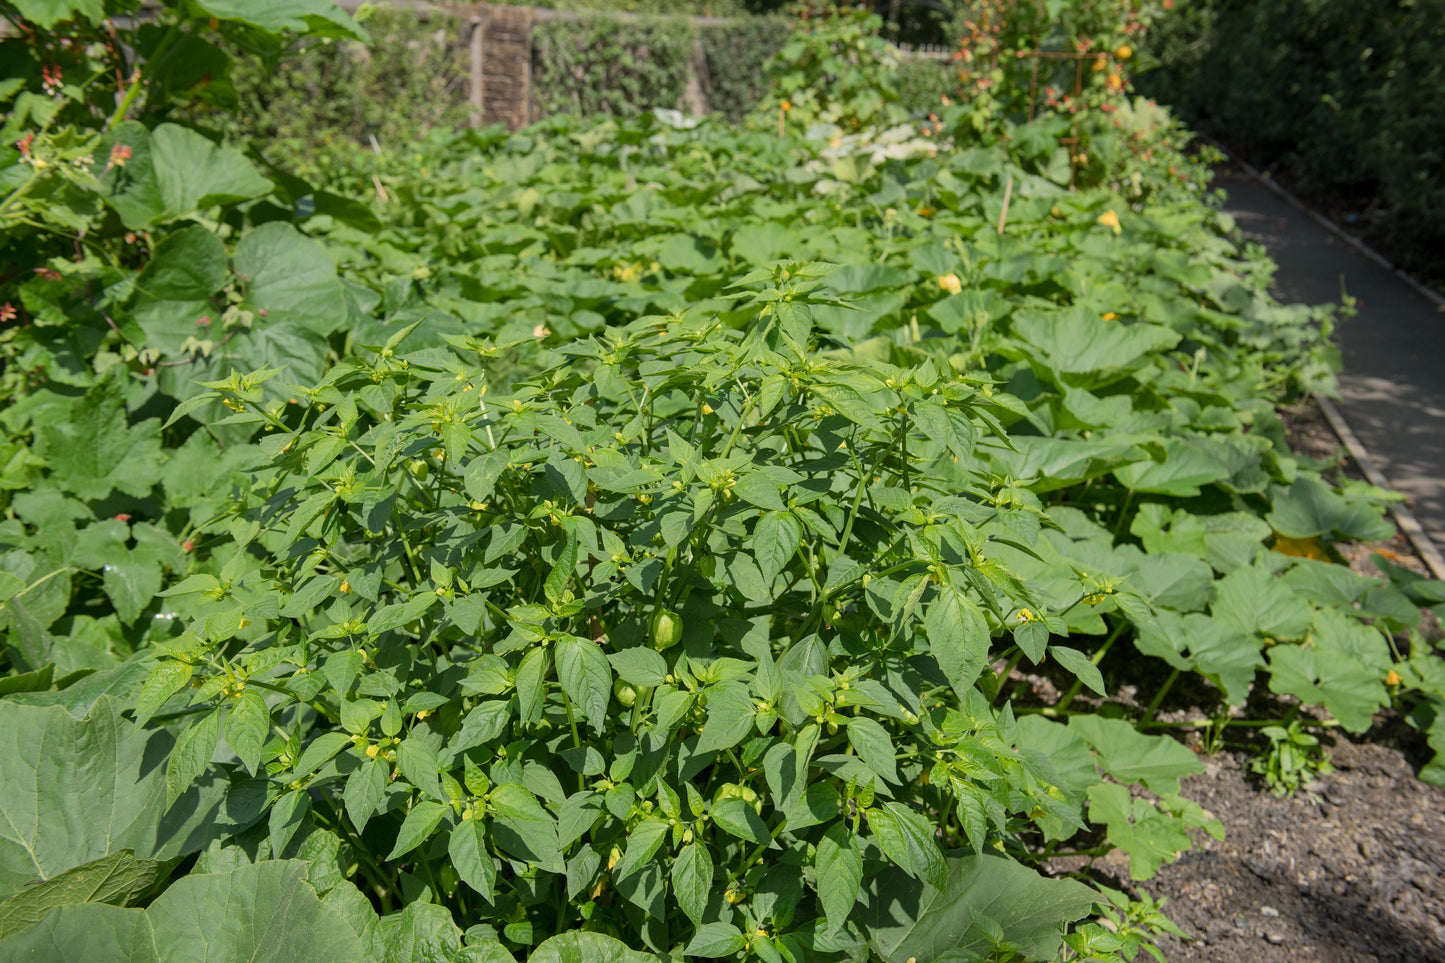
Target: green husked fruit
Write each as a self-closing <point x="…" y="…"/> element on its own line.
<point x="625" y="693"/>
<point x="665" y="628"/>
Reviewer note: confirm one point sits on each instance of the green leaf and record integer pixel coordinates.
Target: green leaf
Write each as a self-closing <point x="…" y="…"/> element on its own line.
<point x="739" y="818"/>
<point x="1076" y="662"/>
<point x="586" y="677"/>
<point x="482" y="474"/>
<point x="173" y="171"/>
<point x="247" y="726"/>
<point x="1131" y="756"/>
<point x="365" y="789"/>
<point x="1186" y="467"/>
<point x="423" y="933"/>
<point x="1310" y="508"/>
<point x="586" y="948"/>
<point x="264" y="912"/>
<point x="730" y="715"/>
<point x="189" y="265"/>
<point x="47" y="13"/>
<point x="643" y="843"/>
<point x="838" y="870"/>
<point x="906" y="920"/>
<point x="1336" y="680"/>
<point x="776" y="538"/>
<point x="471" y="858"/>
<point x="287" y="815"/>
<point x="958" y="639"/>
<point x="1076" y="341"/>
<point x="164" y="681"/>
<point x="192" y="755"/>
<point x="692" y="873"/>
<point x="291" y="278"/>
<point x="116" y="879"/>
<point x="1254" y="600"/>
<point x="418" y="826"/>
<point x="760" y="490"/>
<point x="319" y="17"/>
<point x="639" y="666"/>
<point x="319" y="751"/>
<point x="561" y="574"/>
<point x="96" y="451"/>
<point x="417" y="762"/>
<point x="908" y="840"/>
<point x="714" y="940"/>
<point x="874" y="747"/>
<point x="1151" y="838"/>
<point x="524" y="829"/>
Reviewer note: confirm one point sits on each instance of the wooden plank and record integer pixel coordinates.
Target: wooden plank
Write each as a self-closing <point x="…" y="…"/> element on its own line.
<point x="1409" y="524"/>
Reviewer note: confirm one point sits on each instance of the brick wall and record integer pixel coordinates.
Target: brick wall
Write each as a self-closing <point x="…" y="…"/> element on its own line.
<point x="506" y="64"/>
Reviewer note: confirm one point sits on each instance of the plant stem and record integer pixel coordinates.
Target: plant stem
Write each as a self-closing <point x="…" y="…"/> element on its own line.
<point x="1159" y="697"/>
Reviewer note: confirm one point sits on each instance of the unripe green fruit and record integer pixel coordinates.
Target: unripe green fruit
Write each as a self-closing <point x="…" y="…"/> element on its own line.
<point x="419" y="469"/>
<point x="625" y="693"/>
<point x="666" y="629"/>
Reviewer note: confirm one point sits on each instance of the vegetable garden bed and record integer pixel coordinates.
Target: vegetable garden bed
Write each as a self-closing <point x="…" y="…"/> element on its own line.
<point x="630" y="538"/>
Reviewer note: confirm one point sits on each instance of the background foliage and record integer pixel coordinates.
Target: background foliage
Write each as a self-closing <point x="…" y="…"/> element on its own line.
<point x="598" y="65"/>
<point x="1346" y="94"/>
<point x="411" y="78"/>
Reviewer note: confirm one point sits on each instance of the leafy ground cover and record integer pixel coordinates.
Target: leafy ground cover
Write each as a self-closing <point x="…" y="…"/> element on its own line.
<point x="619" y="537"/>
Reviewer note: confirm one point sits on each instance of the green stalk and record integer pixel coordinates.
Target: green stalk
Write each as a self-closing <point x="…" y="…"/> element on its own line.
<point x="1159" y="697"/>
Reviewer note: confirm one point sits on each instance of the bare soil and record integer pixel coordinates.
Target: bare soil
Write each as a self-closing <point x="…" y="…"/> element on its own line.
<point x="1351" y="872"/>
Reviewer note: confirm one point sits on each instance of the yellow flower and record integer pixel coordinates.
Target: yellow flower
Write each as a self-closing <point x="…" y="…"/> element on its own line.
<point x="1124" y="52"/>
<point x="1026" y="616"/>
<point x="1392" y="678"/>
<point x="950" y="283"/>
<point x="1099" y="64"/>
<point x="786" y="106"/>
<point x="1110" y="219"/>
<point x="1111" y="316"/>
<point x="1115" y="82"/>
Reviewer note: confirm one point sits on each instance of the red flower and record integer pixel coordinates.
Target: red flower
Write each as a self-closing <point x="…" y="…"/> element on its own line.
<point x="7" y="312"/>
<point x="119" y="154"/>
<point x="48" y="274"/>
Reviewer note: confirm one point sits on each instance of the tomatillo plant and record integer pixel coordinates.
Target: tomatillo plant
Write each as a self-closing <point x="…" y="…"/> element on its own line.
<point x="682" y="637"/>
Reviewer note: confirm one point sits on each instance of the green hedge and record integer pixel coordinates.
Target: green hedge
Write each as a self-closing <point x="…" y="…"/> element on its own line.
<point x="737" y="56"/>
<point x="413" y="77"/>
<point x="598" y="65"/>
<point x="1349" y="93"/>
<point x="622" y="67"/>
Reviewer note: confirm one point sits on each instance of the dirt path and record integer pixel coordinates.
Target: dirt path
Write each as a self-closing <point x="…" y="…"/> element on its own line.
<point x="1392" y="390"/>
